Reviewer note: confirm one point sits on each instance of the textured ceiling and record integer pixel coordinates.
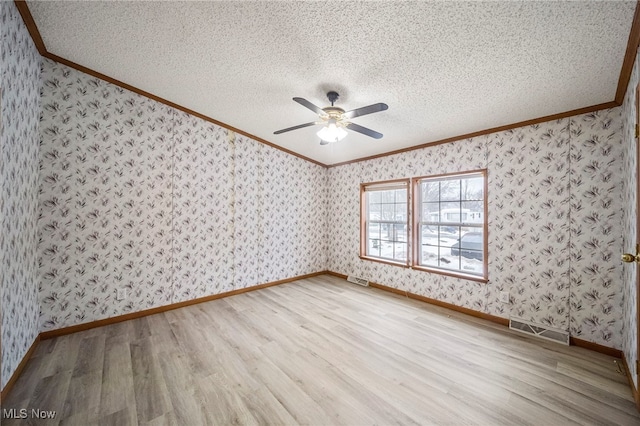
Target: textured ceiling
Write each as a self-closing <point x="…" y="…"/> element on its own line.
<point x="444" y="68"/>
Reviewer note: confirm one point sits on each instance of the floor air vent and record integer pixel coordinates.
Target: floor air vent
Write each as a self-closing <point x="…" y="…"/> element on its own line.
<point x="359" y="281"/>
<point x="539" y="331"/>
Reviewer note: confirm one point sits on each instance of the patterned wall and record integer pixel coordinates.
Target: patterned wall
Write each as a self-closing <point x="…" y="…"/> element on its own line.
<point x="247" y="212"/>
<point x="203" y="197"/>
<point x="630" y="324"/>
<point x="293" y="206"/>
<point x="596" y="227"/>
<point x="20" y="65"/>
<point x="528" y="222"/>
<point x="137" y="195"/>
<point x="554" y="223"/>
<point x="105" y="199"/>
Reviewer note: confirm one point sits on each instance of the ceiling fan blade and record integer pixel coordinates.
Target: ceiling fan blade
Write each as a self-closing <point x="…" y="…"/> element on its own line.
<point x="307" y="104"/>
<point x="365" y="110"/>
<point x="364" y="130"/>
<point x="299" y="126"/>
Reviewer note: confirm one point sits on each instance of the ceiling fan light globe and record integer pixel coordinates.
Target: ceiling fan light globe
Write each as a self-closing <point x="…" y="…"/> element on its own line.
<point x="332" y="133"/>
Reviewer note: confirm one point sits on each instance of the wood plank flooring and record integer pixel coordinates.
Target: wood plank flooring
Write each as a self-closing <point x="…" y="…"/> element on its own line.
<point x="317" y="351"/>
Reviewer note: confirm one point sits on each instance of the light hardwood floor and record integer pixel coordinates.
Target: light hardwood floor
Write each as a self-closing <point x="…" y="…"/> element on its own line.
<point x="318" y="351"/>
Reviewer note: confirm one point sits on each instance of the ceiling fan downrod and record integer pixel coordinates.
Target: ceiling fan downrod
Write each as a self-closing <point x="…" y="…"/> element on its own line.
<point x="332" y="96"/>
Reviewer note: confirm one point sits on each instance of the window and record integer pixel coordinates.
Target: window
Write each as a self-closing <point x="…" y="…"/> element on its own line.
<point x="450" y="223"/>
<point x="385" y="221"/>
<point x="445" y="231"/>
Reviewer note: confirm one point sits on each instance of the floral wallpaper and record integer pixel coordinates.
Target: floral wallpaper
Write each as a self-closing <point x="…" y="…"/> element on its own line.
<point x="528" y="223"/>
<point x="292" y="213"/>
<point x="138" y="196"/>
<point x="554" y="223"/>
<point x="246" y="212"/>
<point x="203" y="209"/>
<point x="596" y="161"/>
<point x="20" y="66"/>
<point x="105" y="199"/>
<point x="629" y="214"/>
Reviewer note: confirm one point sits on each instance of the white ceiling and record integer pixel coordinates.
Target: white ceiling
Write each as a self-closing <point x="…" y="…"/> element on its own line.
<point x="444" y="68"/>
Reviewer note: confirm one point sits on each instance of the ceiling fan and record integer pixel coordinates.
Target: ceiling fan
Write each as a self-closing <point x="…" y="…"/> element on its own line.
<point x="336" y="120"/>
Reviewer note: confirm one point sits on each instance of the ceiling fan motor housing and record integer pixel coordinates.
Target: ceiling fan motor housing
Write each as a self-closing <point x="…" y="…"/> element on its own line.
<point x="333" y="112"/>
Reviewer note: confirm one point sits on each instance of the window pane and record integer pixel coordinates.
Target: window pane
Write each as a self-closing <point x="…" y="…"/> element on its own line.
<point x="374" y="247"/>
<point x="401" y="195"/>
<point x="471" y="265"/>
<point x="393" y="232"/>
<point x="430" y="191"/>
<point x="387" y="212"/>
<point x="374" y="197"/>
<point x="388" y="196"/>
<point x="400" y="212"/>
<point x="473" y="211"/>
<point x="430" y="212"/>
<point x="374" y="230"/>
<point x="429" y="245"/>
<point x="400" y="251"/>
<point x="470" y="248"/>
<point x="472" y="189"/>
<point x="450" y="190"/>
<point x="448" y="235"/>
<point x="429" y="235"/>
<point x="384" y="231"/>
<point x="375" y="212"/>
<point x="450" y="212"/>
<point x="449" y="260"/>
<point x="430" y="256"/>
<point x="401" y="231"/>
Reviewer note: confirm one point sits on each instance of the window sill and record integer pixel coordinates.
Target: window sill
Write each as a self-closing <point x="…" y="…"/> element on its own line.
<point x="388" y="262"/>
<point x="460" y="275"/>
<point x="452" y="274"/>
